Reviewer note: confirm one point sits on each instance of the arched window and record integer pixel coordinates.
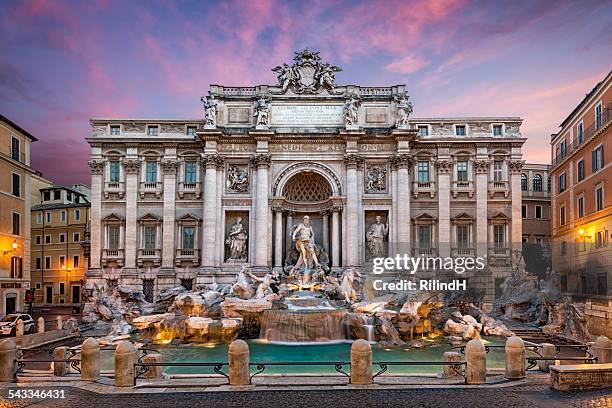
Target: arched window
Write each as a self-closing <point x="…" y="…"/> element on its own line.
<point x="523" y="182"/>
<point x="537" y="183"/>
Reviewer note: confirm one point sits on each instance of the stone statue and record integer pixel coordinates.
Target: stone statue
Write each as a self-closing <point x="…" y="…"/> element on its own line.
<point x="351" y="110"/>
<point x="242" y="288"/>
<point x="285" y="76"/>
<point x="327" y="75"/>
<point x="303" y="235"/>
<point x="236" y="241"/>
<point x="346" y="290"/>
<point x="376" y="237"/>
<point x="376" y="179"/>
<point x="210" y="111"/>
<point x="262" y="110"/>
<point x="265" y="284"/>
<point x="404" y="109"/>
<point x="237" y="179"/>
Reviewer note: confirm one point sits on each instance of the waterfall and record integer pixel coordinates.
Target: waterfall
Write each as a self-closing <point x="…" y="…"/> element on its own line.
<point x="286" y="325"/>
<point x="368" y="325"/>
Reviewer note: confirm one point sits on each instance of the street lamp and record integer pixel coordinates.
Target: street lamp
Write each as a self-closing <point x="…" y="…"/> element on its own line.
<point x="13" y="248"/>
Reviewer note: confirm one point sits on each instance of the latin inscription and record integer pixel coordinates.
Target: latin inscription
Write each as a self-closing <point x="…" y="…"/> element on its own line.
<point x="306" y="115"/>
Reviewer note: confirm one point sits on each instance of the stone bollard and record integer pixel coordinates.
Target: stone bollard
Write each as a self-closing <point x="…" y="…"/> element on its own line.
<point x="59" y="322"/>
<point x="515" y="358"/>
<point x="476" y="358"/>
<point x="238" y="356"/>
<point x="8" y="355"/>
<point x="125" y="358"/>
<point x="41" y="324"/>
<point x="603" y="350"/>
<point x="60" y="353"/>
<point x="19" y="328"/>
<point x="153" y="372"/>
<point x="452" y="357"/>
<point x="90" y="360"/>
<point x="548" y="351"/>
<point x="361" y="362"/>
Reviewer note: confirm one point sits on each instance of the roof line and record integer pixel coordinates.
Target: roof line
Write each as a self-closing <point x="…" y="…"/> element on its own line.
<point x="16" y="126"/>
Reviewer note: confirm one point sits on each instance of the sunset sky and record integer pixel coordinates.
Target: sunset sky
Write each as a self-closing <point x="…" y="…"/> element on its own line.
<point x="63" y="62"/>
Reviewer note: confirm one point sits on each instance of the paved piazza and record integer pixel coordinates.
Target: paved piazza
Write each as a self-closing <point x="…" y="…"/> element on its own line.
<point x="517" y="396"/>
<point x="190" y="202"/>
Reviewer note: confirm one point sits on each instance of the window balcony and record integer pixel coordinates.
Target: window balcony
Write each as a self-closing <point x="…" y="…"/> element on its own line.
<point x="425" y="251"/>
<point x="187" y="255"/>
<point x="499" y="187"/>
<point x="427" y="187"/>
<point x="149" y="255"/>
<point x="463" y="187"/>
<point x="151" y="188"/>
<point x="113" y="256"/>
<point x="189" y="188"/>
<point x="458" y="252"/>
<point x="114" y="187"/>
<point x="499" y="255"/>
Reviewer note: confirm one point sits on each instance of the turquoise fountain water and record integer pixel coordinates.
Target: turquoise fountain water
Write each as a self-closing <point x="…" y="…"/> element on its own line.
<point x="268" y="352"/>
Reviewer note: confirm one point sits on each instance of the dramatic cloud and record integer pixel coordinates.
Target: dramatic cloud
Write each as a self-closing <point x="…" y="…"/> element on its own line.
<point x="63" y="62"/>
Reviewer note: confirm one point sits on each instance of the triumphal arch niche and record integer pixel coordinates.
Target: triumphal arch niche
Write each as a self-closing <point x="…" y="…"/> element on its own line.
<point x="203" y="198"/>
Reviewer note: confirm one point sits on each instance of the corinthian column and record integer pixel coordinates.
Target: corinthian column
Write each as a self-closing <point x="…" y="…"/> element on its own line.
<point x="516" y="167"/>
<point x="209" y="222"/>
<point x="481" y="168"/>
<point x="97" y="169"/>
<point x="278" y="237"/>
<point x="169" y="169"/>
<point x="262" y="235"/>
<point x="352" y="162"/>
<point x="444" y="237"/>
<point x="402" y="163"/>
<point x="132" y="167"/>
<point x="335" y="238"/>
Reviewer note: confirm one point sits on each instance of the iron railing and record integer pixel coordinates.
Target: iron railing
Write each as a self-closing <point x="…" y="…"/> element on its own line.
<point x="457" y="366"/>
<point x="140" y="368"/>
<point x="338" y="365"/>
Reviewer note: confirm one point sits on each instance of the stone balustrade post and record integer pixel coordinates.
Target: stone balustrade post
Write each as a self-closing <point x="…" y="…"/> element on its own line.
<point x="59" y="322"/>
<point x="125" y="358"/>
<point x="476" y="357"/>
<point x="41" y="324"/>
<point x="8" y="355"/>
<point x="361" y="362"/>
<point x="59" y="368"/>
<point x="90" y="360"/>
<point x="239" y="358"/>
<point x="548" y="351"/>
<point x="153" y="372"/>
<point x="452" y="357"/>
<point x="515" y="358"/>
<point x="603" y="350"/>
<point x="19" y="328"/>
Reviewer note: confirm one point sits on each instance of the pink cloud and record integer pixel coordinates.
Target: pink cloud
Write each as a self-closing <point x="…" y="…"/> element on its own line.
<point x="407" y="64"/>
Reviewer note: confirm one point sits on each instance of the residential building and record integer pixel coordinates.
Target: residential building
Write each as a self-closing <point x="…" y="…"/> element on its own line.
<point x="16" y="176"/>
<point x="582" y="205"/>
<point x="59" y="250"/>
<point x="535" y="208"/>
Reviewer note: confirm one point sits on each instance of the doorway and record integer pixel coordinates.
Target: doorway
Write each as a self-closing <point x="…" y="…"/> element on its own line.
<point x="11" y="303"/>
<point x="76" y="295"/>
<point x="48" y="294"/>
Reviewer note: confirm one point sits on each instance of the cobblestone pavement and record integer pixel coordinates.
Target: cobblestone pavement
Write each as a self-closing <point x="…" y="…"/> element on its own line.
<point x="424" y="397"/>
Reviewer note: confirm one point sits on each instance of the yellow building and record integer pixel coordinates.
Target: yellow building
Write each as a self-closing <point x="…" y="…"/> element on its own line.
<point x="60" y="237"/>
<point x="15" y="201"/>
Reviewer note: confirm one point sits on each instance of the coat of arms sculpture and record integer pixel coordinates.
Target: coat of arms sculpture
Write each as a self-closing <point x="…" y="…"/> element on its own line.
<point x="307" y="75"/>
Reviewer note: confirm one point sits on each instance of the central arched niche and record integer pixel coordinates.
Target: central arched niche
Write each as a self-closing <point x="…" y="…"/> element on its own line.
<point x="307" y="187"/>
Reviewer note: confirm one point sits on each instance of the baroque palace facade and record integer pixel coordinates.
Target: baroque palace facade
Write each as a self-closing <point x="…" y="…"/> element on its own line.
<point x="189" y="202"/>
